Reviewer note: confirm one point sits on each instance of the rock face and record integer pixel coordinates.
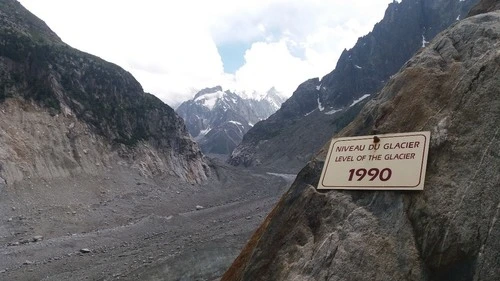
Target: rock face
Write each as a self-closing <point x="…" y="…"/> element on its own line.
<point x="320" y="108"/>
<point x="485" y="6"/>
<point x="218" y="119"/>
<point x="2" y="183"/>
<point x="446" y="232"/>
<point x="63" y="111"/>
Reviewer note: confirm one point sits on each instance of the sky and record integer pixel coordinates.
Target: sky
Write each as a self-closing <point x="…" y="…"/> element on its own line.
<point x="176" y="48"/>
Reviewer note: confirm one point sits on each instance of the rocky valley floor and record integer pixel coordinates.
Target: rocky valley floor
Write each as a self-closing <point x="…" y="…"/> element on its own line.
<point x="121" y="226"/>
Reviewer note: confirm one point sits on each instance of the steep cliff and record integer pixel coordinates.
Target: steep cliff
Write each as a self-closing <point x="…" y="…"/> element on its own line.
<point x="320" y="108"/>
<point x="446" y="232"/>
<point x="65" y="111"/>
<point x="485" y="6"/>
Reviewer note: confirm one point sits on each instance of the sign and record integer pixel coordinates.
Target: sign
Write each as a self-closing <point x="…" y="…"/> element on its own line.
<point x="380" y="162"/>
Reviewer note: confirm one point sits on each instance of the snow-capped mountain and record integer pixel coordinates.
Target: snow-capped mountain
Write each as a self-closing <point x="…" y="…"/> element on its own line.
<point x="218" y="119"/>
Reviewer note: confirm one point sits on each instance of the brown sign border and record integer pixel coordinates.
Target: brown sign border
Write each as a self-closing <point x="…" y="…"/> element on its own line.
<point x="367" y="187"/>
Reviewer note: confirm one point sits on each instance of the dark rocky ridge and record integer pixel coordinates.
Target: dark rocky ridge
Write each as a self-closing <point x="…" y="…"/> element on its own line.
<point x="19" y="20"/>
<point x="447" y="231"/>
<point x="484" y="7"/>
<point x="320" y="108"/>
<point x="36" y="66"/>
<point x="218" y="119"/>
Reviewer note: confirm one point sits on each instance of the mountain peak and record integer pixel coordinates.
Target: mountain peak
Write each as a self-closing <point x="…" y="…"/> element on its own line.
<point x="218" y="119"/>
<point x="206" y="91"/>
<point x="208" y="99"/>
<point x="275" y="94"/>
<point x="273" y="91"/>
<point x="15" y="19"/>
<point x="274" y="97"/>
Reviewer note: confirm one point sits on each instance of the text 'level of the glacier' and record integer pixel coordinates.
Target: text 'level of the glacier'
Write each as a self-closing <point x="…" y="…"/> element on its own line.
<point x="380" y="162"/>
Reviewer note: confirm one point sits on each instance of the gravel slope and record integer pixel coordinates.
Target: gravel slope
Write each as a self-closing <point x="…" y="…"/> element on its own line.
<point x="134" y="228"/>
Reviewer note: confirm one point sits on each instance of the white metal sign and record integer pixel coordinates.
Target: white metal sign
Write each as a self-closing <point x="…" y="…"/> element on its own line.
<point x="380" y="162"/>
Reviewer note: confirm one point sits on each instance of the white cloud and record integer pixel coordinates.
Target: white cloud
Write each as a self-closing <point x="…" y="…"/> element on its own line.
<point x="170" y="46"/>
<point x="266" y="64"/>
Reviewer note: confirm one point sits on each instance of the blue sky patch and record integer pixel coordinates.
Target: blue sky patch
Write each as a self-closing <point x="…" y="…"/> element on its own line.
<point x="233" y="55"/>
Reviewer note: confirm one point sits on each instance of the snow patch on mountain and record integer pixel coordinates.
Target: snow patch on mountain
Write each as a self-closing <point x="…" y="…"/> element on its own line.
<point x="209" y="100"/>
<point x="272" y="101"/>
<point x="424" y="41"/>
<point x="205" y="131"/>
<point x="320" y="106"/>
<point x="333" y="111"/>
<point x="359" y="100"/>
<point x="310" y="112"/>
